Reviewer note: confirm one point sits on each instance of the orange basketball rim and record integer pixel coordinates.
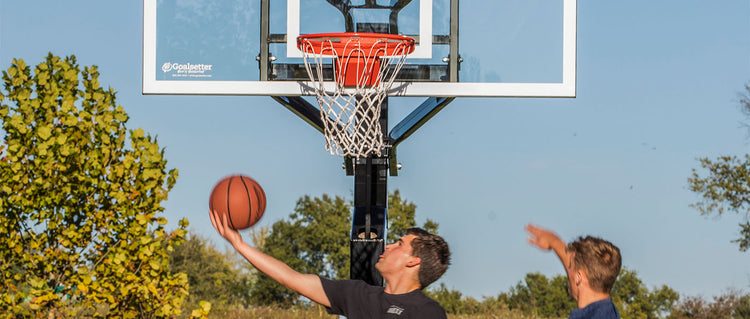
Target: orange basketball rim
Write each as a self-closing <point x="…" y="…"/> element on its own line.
<point x="358" y="55"/>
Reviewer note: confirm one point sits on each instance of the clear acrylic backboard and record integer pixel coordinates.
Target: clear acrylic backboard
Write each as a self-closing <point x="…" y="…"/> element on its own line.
<point x="505" y="48"/>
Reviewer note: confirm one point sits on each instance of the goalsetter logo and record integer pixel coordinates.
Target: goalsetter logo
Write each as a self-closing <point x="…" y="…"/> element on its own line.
<point x="187" y="69"/>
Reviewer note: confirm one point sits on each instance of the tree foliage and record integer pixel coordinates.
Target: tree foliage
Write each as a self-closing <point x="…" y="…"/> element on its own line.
<point x="452" y="300"/>
<point x="635" y="300"/>
<point x="81" y="200"/>
<point x="223" y="279"/>
<point x="731" y="305"/>
<point x="540" y="297"/>
<point x="726" y="187"/>
<point x="455" y="303"/>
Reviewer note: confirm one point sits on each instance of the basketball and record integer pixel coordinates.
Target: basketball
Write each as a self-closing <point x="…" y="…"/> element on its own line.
<point x="240" y="198"/>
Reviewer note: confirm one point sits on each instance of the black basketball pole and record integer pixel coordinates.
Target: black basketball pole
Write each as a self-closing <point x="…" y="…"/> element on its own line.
<point x="370" y="211"/>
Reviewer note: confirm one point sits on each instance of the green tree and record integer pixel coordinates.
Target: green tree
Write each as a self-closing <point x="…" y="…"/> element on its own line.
<point x="219" y="278"/>
<point x="455" y="303"/>
<point x="540" y="296"/>
<point x="452" y="300"/>
<point x="401" y="216"/>
<point x="80" y="201"/>
<point x="315" y="239"/>
<point x="726" y="187"/>
<point x="742" y="307"/>
<point x="635" y="300"/>
<point x="537" y="295"/>
<point x="732" y="304"/>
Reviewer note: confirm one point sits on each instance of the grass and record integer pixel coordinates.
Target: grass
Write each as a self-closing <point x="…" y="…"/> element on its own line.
<point x="318" y="312"/>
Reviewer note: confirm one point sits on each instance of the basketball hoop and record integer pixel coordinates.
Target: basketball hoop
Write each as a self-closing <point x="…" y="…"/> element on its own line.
<point x="364" y="67"/>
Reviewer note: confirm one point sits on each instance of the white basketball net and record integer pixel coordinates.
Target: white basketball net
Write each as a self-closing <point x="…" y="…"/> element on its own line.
<point x="351" y="113"/>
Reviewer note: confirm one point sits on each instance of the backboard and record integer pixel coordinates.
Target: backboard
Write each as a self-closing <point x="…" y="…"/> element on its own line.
<point x="502" y="48"/>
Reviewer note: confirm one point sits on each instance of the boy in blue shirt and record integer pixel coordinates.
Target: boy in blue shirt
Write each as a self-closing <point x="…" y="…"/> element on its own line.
<point x="592" y="265"/>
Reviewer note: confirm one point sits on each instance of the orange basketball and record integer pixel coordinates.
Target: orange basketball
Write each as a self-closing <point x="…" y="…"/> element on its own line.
<point x="240" y="198"/>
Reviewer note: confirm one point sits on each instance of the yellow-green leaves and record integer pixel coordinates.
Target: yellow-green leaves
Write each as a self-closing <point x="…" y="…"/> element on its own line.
<point x="137" y="133"/>
<point x="184" y="223"/>
<point x="119" y="258"/>
<point x="180" y="232"/>
<point x="155" y="265"/>
<point x="202" y="312"/>
<point x="120" y="114"/>
<point x="45" y="132"/>
<point x="142" y="219"/>
<point x="79" y="206"/>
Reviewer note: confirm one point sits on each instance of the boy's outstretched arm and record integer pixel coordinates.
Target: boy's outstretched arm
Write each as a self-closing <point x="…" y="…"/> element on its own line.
<point x="307" y="285"/>
<point x="546" y="240"/>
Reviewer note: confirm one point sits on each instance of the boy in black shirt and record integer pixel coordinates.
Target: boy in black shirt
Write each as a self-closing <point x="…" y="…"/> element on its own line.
<point x="408" y="266"/>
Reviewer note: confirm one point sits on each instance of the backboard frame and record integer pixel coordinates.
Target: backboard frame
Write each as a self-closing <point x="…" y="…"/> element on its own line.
<point x="565" y="89"/>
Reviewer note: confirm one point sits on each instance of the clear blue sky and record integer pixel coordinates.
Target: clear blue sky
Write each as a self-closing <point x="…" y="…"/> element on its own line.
<point x="658" y="84"/>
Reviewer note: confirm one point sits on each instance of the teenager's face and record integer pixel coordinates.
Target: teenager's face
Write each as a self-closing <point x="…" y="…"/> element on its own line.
<point x="396" y="256"/>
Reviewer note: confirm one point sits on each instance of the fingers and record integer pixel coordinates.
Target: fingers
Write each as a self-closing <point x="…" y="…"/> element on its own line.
<point x="218" y="222"/>
<point x="538" y="232"/>
<point x="537" y="236"/>
<point x="221" y="224"/>
<point x="533" y="233"/>
<point x="213" y="219"/>
<point x="531" y="240"/>
<point x="533" y="229"/>
<point x="536" y="241"/>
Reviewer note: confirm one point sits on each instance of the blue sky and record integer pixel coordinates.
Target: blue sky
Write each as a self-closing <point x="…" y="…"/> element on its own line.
<point x="658" y="85"/>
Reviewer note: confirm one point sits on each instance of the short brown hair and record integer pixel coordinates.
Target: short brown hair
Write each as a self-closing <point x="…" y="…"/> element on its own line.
<point x="600" y="260"/>
<point x="433" y="252"/>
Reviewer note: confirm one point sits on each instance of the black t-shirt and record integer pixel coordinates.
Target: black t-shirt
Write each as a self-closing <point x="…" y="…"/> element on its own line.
<point x="355" y="299"/>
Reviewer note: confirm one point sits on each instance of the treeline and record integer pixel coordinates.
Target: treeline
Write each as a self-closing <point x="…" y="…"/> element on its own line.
<point x="314" y="239"/>
<point x="228" y="283"/>
<point x="540" y="296"/>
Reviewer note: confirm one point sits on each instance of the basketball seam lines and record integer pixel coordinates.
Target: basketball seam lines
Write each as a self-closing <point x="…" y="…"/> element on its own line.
<point x="261" y="202"/>
<point x="249" y="203"/>
<point x="229" y="210"/>
<point x="261" y="197"/>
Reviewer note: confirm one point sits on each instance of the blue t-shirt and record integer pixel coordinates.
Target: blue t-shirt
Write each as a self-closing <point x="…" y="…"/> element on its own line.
<point x="602" y="309"/>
